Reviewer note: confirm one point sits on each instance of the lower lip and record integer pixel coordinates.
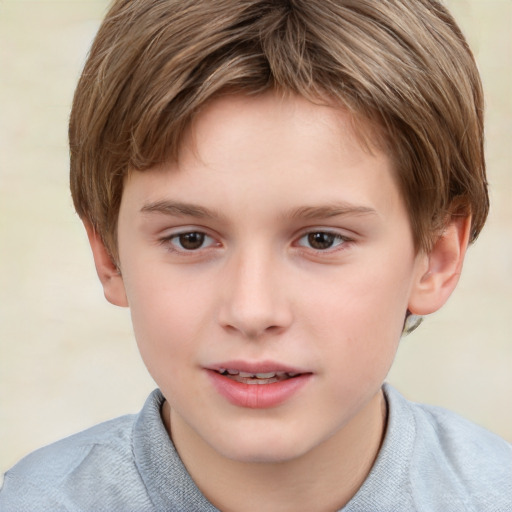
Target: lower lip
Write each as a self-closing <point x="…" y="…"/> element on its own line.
<point x="257" y="396"/>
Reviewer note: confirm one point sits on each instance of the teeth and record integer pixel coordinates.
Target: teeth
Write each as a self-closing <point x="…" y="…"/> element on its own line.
<point x="268" y="375"/>
<point x="226" y="372"/>
<point x="263" y="376"/>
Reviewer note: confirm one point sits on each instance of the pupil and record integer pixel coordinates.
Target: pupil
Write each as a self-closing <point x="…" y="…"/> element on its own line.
<point x="191" y="241"/>
<point x="320" y="240"/>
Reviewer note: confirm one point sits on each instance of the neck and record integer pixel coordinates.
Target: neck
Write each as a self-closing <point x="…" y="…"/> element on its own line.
<point x="325" y="478"/>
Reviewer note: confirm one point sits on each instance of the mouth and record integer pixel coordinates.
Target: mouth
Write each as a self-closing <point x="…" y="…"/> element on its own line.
<point x="257" y="385"/>
<point x="258" y="377"/>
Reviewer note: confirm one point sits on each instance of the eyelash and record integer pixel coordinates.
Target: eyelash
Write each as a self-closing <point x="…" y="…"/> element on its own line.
<point x="169" y="241"/>
<point x="335" y="238"/>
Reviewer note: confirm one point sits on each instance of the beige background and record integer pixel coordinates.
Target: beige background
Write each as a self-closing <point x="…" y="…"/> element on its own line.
<point x="68" y="359"/>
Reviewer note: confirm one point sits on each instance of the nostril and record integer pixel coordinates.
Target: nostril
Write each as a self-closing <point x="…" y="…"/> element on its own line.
<point x="253" y="332"/>
<point x="253" y="311"/>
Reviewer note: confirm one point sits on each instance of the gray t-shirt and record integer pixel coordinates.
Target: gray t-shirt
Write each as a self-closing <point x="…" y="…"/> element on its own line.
<point x="431" y="460"/>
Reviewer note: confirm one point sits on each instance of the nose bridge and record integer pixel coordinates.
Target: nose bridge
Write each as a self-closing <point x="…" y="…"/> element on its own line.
<point x="255" y="300"/>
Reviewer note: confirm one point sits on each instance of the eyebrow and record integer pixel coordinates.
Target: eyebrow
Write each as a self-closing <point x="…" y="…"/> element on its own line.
<point x="179" y="209"/>
<point x="333" y="210"/>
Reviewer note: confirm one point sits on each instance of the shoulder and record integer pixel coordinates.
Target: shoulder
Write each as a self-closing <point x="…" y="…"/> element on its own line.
<point x="463" y="462"/>
<point x="78" y="472"/>
<point x="63" y="456"/>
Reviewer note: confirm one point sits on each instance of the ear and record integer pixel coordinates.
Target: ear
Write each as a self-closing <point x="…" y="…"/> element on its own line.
<point x="440" y="269"/>
<point x="108" y="272"/>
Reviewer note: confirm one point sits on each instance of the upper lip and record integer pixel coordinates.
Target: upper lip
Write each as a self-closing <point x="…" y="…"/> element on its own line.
<point x="255" y="367"/>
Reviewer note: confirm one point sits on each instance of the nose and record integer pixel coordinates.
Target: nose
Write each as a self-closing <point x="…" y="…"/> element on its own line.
<point x="254" y="297"/>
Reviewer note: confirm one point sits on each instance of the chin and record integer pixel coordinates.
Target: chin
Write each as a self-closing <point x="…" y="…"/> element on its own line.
<point x="253" y="447"/>
<point x="262" y="455"/>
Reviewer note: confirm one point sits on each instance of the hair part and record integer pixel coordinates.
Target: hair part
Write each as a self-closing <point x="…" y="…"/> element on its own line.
<point x="403" y="66"/>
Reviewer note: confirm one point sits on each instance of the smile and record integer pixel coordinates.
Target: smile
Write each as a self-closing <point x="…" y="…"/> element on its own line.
<point x="257" y="386"/>
<point x="257" y="378"/>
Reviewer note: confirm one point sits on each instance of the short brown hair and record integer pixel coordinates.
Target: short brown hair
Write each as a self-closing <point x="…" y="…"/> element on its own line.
<point x="402" y="64"/>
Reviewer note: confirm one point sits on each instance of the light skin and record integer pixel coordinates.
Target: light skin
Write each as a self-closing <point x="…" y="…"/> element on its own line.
<point x="276" y="239"/>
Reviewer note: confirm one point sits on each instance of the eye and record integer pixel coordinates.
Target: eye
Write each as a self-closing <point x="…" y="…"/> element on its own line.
<point x="190" y="241"/>
<point x="321" y="240"/>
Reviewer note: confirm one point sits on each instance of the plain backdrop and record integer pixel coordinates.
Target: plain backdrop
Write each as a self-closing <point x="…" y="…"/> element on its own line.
<point x="68" y="359"/>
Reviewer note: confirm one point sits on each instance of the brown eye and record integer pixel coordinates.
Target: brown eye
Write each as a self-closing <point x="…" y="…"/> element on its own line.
<point x="188" y="242"/>
<point x="321" y="241"/>
<point x="191" y="241"/>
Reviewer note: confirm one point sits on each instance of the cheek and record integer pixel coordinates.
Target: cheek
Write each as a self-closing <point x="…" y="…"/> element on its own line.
<point x="360" y="316"/>
<point x="168" y="316"/>
<point x="359" y="299"/>
<point x="160" y="297"/>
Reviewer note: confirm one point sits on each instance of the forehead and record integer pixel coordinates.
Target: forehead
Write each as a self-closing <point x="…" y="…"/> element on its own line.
<point x="280" y="152"/>
<point x="267" y="113"/>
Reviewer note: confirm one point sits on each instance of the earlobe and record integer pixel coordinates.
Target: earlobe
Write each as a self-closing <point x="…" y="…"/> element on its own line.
<point x="108" y="272"/>
<point x="441" y="267"/>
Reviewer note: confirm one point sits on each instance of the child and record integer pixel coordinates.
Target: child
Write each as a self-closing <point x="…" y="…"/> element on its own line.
<point x="277" y="190"/>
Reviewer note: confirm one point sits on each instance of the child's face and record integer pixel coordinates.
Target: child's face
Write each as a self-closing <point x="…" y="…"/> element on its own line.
<point x="277" y="244"/>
